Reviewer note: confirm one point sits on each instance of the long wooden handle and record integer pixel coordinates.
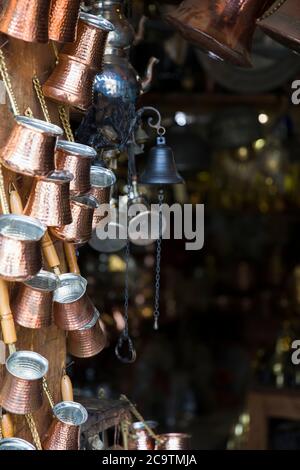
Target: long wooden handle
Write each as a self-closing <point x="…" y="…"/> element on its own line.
<point x="16" y="206"/>
<point x="71" y="258"/>
<point x="7" y="320"/>
<point x="66" y="389"/>
<point x="7" y="426"/>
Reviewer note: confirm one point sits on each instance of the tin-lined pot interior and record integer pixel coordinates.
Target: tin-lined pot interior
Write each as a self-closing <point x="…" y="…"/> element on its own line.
<point x="15" y="443"/>
<point x="43" y="281"/>
<point x="70" y="413"/>
<point x="102" y="177"/>
<point x="73" y="148"/>
<point x="21" y="228"/>
<point x="27" y="365"/>
<point x="39" y="125"/>
<point x="71" y="288"/>
<point x="97" y="21"/>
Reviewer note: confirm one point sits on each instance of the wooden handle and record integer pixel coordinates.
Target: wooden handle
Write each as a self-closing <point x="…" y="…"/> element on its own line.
<point x="67" y="389"/>
<point x="7" y="320"/>
<point x="16" y="205"/>
<point x="7" y="426"/>
<point x="50" y="251"/>
<point x="71" y="258"/>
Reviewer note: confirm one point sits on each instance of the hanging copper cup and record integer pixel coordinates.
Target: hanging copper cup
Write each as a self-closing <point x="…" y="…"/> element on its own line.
<point x="26" y="20"/>
<point x="102" y="181"/>
<point x="87" y="341"/>
<point x="20" y="247"/>
<point x="174" y="441"/>
<point x="72" y="309"/>
<point x="64" y="432"/>
<point x="80" y="230"/>
<point x="77" y="159"/>
<point x="14" y="443"/>
<point x="30" y="147"/>
<point x="71" y="82"/>
<point x="49" y="199"/>
<point x="63" y="19"/>
<point x="32" y="305"/>
<point x="139" y="438"/>
<point x="22" y="389"/>
<point x="223" y="28"/>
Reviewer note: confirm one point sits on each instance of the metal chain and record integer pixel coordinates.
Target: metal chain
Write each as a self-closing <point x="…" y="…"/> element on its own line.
<point x="47" y="392"/>
<point x="139" y="417"/>
<point x="272" y="10"/>
<point x="33" y="430"/>
<point x="64" y="119"/>
<point x="7" y="83"/>
<point x="40" y="95"/>
<point x="158" y="263"/>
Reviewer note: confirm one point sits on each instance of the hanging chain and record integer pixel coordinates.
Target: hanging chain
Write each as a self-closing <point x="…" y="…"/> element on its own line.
<point x="139" y="417"/>
<point x="33" y="430"/>
<point x="158" y="263"/>
<point x="272" y="10"/>
<point x="7" y="83"/>
<point x="48" y="393"/>
<point x="64" y="119"/>
<point x="40" y="95"/>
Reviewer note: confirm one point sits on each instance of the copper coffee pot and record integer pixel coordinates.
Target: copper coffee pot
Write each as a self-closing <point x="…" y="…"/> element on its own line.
<point x="223" y="28"/>
<point x="102" y="182"/>
<point x="87" y="341"/>
<point x="63" y="19"/>
<point x="139" y="438"/>
<point x="14" y="443"/>
<point x="173" y="441"/>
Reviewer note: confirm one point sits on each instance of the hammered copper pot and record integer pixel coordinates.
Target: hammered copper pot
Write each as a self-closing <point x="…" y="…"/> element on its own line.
<point x="49" y="199"/>
<point x="14" y="443"/>
<point x="222" y="28"/>
<point x="77" y="159"/>
<point x="33" y="304"/>
<point x="26" y="20"/>
<point x="63" y="19"/>
<point x="102" y="181"/>
<point x="72" y="309"/>
<point x="22" y="388"/>
<point x="174" y="441"/>
<point x="139" y="438"/>
<point x="30" y="147"/>
<point x="87" y="341"/>
<point x="64" y="431"/>
<point x="20" y="247"/>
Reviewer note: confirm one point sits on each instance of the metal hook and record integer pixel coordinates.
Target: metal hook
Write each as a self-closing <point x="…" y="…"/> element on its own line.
<point x="155" y="125"/>
<point x="125" y="359"/>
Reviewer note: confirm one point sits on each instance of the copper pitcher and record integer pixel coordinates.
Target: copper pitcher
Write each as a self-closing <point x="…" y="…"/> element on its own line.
<point x="32" y="305"/>
<point x="71" y="82"/>
<point x="30" y="147"/>
<point x="102" y="182"/>
<point x="20" y="247"/>
<point x="63" y="19"/>
<point x="14" y="443"/>
<point x="87" y="341"/>
<point x="139" y="438"/>
<point x="77" y="159"/>
<point x="26" y="20"/>
<point x="223" y="28"/>
<point x="72" y="309"/>
<point x="64" y="431"/>
<point x="49" y="199"/>
<point x="174" y="441"/>
<point x="22" y="389"/>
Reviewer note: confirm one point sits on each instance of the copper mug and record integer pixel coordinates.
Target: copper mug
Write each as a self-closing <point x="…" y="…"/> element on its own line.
<point x="63" y="20"/>
<point x="72" y="309"/>
<point x="71" y="82"/>
<point x="20" y="247"/>
<point x="49" y="199"/>
<point x="139" y="438"/>
<point x="30" y="147"/>
<point x="223" y="28"/>
<point x="87" y="341"/>
<point x="102" y="181"/>
<point x="173" y="441"/>
<point x="32" y="306"/>
<point x="26" y="20"/>
<point x="64" y="431"/>
<point x="14" y="443"/>
<point x="22" y="389"/>
<point x="77" y="159"/>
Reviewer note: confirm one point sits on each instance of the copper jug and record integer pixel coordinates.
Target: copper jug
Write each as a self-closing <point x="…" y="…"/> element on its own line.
<point x="223" y="28"/>
<point x="63" y="20"/>
<point x="139" y="438"/>
<point x="102" y="182"/>
<point x="87" y="341"/>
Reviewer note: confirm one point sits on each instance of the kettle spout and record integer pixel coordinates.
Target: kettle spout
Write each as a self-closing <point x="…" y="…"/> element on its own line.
<point x="146" y="82"/>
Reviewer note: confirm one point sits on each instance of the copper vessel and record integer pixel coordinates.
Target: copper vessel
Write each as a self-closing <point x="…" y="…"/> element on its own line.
<point x="20" y="248"/>
<point x="26" y="20"/>
<point x="30" y="147"/>
<point x="80" y="230"/>
<point x="282" y="23"/>
<point x="14" y="443"/>
<point x="87" y="341"/>
<point x="223" y="28"/>
<point x="174" y="441"/>
<point x="72" y="309"/>
<point x="64" y="432"/>
<point x="102" y="181"/>
<point x="71" y="82"/>
<point x="77" y="159"/>
<point x="49" y="199"/>
<point x="139" y="438"/>
<point x="63" y="20"/>
<point x="32" y="305"/>
<point x="22" y="389"/>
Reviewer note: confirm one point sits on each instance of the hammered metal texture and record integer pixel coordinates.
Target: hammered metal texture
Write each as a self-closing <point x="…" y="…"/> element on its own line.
<point x="139" y="438"/>
<point x="102" y="181"/>
<point x="14" y="443"/>
<point x="30" y="147"/>
<point x="174" y="442"/>
<point x="63" y="20"/>
<point x="26" y="20"/>
<point x="86" y="342"/>
<point x="49" y="200"/>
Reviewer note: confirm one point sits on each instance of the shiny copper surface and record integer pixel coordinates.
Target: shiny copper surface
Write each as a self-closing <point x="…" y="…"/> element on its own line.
<point x="26" y="20"/>
<point x="63" y="433"/>
<point x="102" y="181"/>
<point x="22" y="388"/>
<point x="72" y="309"/>
<point x="63" y="20"/>
<point x="223" y="28"/>
<point x="139" y="438"/>
<point x="87" y="341"/>
<point x="30" y="147"/>
<point x="174" y="441"/>
<point x="49" y="199"/>
<point x="20" y="247"/>
<point x="32" y="305"/>
<point x="80" y="230"/>
<point x="77" y="159"/>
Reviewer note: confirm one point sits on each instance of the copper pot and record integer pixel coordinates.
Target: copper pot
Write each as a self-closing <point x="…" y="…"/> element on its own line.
<point x="71" y="82"/>
<point x="63" y="433"/>
<point x="20" y="247"/>
<point x="14" y="443"/>
<point x="173" y="441"/>
<point x="87" y="341"/>
<point x="139" y="438"/>
<point x="63" y="20"/>
<point x="102" y="181"/>
<point x="32" y="305"/>
<point x="77" y="159"/>
<point x="223" y="28"/>
<point x="22" y="389"/>
<point x="30" y="147"/>
<point x="49" y="199"/>
<point x="80" y="230"/>
<point x="26" y="20"/>
<point x="72" y="308"/>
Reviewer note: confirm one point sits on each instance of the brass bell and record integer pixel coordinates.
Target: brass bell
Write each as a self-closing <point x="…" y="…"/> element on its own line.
<point x="161" y="167"/>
